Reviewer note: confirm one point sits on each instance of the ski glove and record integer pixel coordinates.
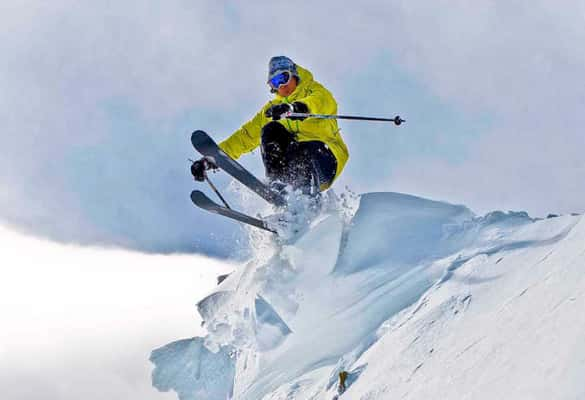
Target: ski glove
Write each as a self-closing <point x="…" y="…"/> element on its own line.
<point x="199" y="167"/>
<point x="299" y="107"/>
<point x="276" y="111"/>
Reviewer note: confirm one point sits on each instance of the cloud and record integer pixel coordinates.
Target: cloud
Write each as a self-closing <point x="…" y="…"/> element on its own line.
<point x="521" y="63"/>
<point x="99" y="99"/>
<point x="514" y="65"/>
<point x="85" y="324"/>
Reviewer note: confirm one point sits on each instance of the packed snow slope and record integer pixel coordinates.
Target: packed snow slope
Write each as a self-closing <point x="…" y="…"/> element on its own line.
<point x="416" y="299"/>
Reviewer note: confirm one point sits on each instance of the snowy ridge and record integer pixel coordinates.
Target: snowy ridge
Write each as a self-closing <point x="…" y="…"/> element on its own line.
<point x="412" y="297"/>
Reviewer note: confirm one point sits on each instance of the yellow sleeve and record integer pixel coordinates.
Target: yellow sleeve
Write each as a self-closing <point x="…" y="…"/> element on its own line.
<point x="320" y="100"/>
<point x="247" y="138"/>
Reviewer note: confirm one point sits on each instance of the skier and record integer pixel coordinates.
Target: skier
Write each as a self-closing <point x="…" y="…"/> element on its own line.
<point x="307" y="153"/>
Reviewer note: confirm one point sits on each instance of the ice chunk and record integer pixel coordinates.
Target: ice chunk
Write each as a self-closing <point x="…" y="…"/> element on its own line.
<point x="190" y="369"/>
<point x="271" y="330"/>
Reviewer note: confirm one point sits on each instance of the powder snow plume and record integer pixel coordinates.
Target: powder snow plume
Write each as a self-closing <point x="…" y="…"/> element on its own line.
<point x="412" y="298"/>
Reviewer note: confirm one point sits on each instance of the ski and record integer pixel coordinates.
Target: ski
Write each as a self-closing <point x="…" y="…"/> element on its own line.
<point x="201" y="200"/>
<point x="205" y="145"/>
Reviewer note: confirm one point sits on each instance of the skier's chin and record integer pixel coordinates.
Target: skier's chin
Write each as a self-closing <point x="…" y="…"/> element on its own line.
<point x="284" y="92"/>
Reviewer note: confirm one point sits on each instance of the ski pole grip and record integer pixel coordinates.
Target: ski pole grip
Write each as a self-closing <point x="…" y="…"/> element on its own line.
<point x="398" y="121"/>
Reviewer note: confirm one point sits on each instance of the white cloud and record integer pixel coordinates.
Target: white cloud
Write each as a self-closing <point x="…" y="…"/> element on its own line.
<point x="81" y="322"/>
<point x="99" y="98"/>
<point x="522" y="63"/>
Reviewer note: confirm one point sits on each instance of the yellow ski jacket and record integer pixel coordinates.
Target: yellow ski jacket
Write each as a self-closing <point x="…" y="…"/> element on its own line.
<point x="319" y="101"/>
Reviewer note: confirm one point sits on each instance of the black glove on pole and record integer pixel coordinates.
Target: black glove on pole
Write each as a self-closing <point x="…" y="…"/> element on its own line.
<point x="301" y="108"/>
<point x="275" y="112"/>
<point x="199" y="167"/>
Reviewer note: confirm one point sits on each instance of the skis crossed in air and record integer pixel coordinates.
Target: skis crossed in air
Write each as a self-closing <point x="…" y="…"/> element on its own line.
<point x="207" y="147"/>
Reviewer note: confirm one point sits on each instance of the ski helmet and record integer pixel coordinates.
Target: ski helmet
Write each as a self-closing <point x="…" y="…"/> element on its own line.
<point x="280" y="64"/>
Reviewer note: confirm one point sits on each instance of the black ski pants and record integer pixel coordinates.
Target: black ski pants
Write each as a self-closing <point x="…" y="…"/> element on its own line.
<point x="304" y="165"/>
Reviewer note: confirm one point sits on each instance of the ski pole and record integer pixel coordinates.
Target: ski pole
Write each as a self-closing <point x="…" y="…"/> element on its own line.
<point x="212" y="186"/>
<point x="397" y="120"/>
<point x="216" y="191"/>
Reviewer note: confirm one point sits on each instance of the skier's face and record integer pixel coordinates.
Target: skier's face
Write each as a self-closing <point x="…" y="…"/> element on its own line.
<point x="286" y="90"/>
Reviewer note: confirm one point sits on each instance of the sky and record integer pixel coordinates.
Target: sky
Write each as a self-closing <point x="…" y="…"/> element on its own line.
<point x="80" y="323"/>
<point x="99" y="99"/>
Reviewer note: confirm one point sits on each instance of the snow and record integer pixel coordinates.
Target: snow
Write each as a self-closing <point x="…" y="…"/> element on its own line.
<point x="505" y="325"/>
<point x="414" y="298"/>
<point x="198" y="368"/>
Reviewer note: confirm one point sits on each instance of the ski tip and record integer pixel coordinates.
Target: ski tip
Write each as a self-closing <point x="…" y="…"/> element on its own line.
<point x="198" y="133"/>
<point x="194" y="194"/>
<point x="200" y="139"/>
<point x="198" y="197"/>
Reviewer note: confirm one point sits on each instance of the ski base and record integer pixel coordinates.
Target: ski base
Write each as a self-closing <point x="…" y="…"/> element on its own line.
<point x="201" y="200"/>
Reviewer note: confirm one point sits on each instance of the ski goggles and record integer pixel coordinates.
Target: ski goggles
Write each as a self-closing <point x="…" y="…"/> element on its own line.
<point x="279" y="79"/>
